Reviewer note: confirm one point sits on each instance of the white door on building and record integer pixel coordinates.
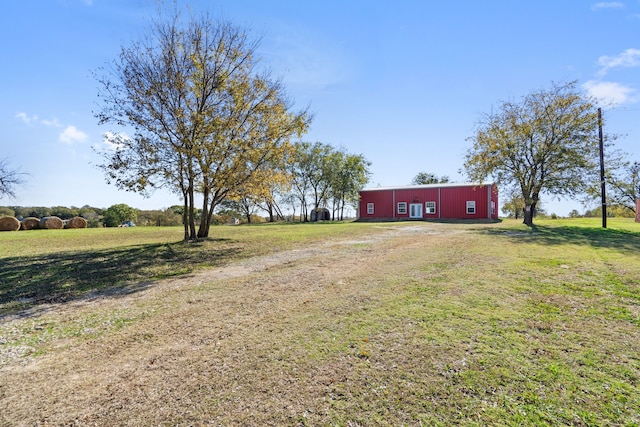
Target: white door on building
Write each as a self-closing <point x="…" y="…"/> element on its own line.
<point x="415" y="210"/>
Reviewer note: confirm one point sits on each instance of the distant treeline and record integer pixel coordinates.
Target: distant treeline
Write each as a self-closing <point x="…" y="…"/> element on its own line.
<point x="115" y="215"/>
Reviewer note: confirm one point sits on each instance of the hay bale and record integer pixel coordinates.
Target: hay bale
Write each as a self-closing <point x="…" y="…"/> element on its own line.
<point x="51" y="223"/>
<point x="9" y="223"/>
<point x="76" y="222"/>
<point x="29" y="223"/>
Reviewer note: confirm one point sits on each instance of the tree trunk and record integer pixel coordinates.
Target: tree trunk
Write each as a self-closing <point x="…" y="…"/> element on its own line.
<point x="530" y="204"/>
<point x="528" y="216"/>
<point x="205" y="224"/>
<point x="191" y="212"/>
<point x="303" y="209"/>
<point x="278" y="211"/>
<point x="185" y="216"/>
<point x="270" y="206"/>
<point x="203" y="229"/>
<point x="530" y="212"/>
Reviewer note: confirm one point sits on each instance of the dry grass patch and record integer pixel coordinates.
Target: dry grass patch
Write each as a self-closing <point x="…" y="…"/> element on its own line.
<point x="432" y="324"/>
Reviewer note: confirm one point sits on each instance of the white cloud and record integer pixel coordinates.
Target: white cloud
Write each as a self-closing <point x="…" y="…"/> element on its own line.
<point x="72" y="135"/>
<point x="607" y="5"/>
<point x="53" y="123"/>
<point x="610" y="93"/>
<point x="628" y="58"/>
<point x="113" y="141"/>
<point x="35" y="119"/>
<point x="25" y="118"/>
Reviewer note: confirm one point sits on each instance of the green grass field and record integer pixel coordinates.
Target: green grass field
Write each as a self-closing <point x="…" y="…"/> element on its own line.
<point x="44" y="266"/>
<point x="444" y="324"/>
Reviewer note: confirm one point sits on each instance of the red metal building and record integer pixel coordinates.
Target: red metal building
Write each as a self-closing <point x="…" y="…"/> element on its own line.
<point x="433" y="201"/>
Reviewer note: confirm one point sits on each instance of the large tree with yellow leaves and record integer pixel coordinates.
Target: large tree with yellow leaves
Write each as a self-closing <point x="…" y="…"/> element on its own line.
<point x="205" y="122"/>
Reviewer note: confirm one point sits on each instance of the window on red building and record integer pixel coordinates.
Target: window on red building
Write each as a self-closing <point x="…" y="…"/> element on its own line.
<point x="430" y="207"/>
<point x="471" y="207"/>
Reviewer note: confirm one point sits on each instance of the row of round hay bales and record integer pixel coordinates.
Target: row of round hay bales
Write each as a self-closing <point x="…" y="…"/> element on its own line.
<point x="9" y="223"/>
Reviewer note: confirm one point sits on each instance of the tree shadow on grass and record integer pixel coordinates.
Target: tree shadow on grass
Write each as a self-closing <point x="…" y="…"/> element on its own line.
<point x="620" y="240"/>
<point x="27" y="284"/>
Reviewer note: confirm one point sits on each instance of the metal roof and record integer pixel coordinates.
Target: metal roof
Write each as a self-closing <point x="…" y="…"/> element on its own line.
<point x="441" y="185"/>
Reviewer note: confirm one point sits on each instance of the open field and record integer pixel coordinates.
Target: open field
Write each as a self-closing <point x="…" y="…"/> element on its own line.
<point x="323" y="324"/>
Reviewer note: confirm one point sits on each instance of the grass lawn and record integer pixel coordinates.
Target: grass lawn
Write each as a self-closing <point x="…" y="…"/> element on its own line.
<point x="388" y="324"/>
<point x="44" y="266"/>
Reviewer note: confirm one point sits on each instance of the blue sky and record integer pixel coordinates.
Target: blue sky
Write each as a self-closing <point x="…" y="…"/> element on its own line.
<point x="401" y="82"/>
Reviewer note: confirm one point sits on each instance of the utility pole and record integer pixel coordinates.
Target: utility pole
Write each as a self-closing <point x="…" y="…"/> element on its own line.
<point x="602" y="182"/>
